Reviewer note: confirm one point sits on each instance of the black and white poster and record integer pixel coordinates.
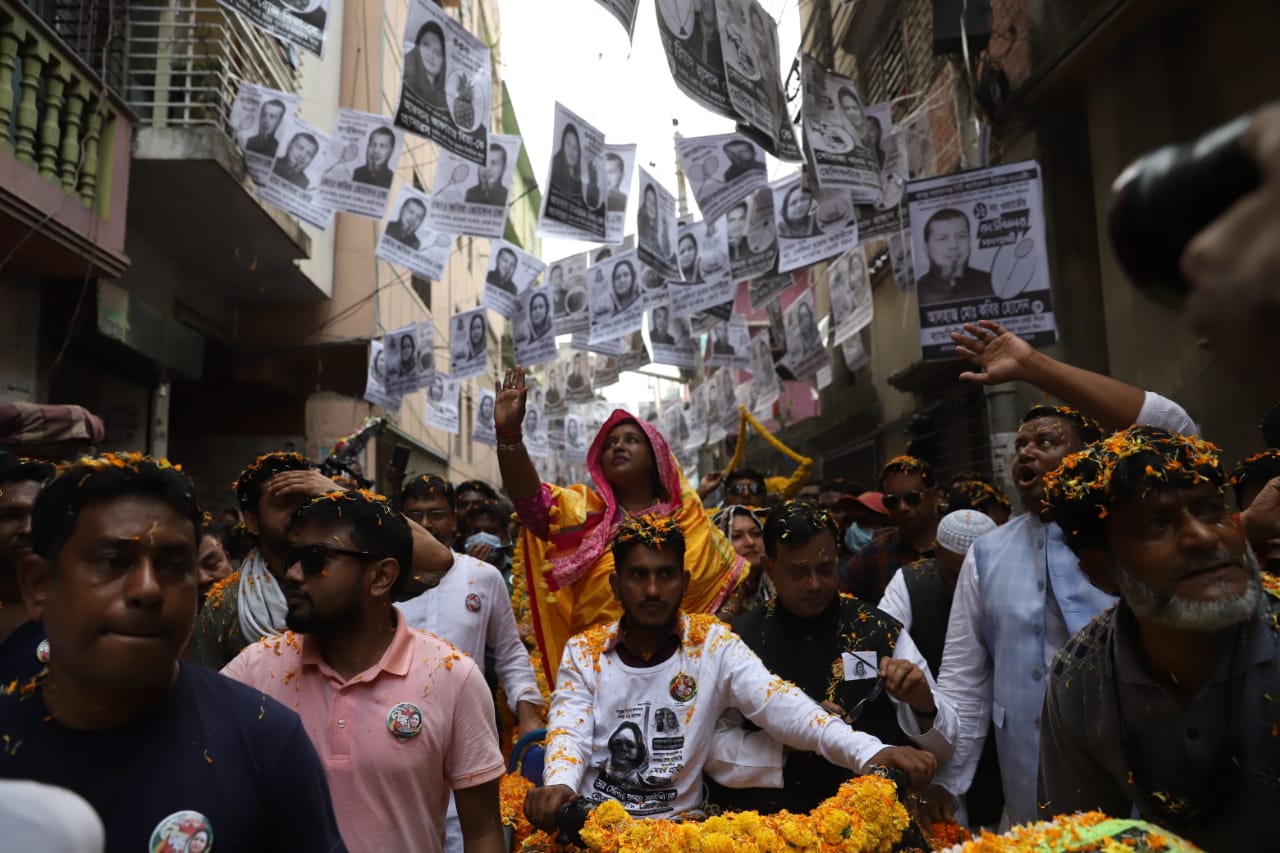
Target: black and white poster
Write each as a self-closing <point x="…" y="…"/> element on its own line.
<point x="532" y="329"/>
<point x="691" y="38"/>
<point x="812" y="226"/>
<point x="849" y="284"/>
<point x="619" y="163"/>
<point x="604" y="372"/>
<point x="653" y="286"/>
<point x="468" y="343"/>
<point x="722" y="170"/>
<point x="299" y="22"/>
<point x="576" y="436"/>
<point x="836" y="134"/>
<point x="765" y="384"/>
<point x="634" y="353"/>
<point x="979" y="248"/>
<point x="294" y="180"/>
<point x="361" y="161"/>
<point x="259" y="116"/>
<point x="511" y="272"/>
<point x="582" y="342"/>
<point x="762" y="291"/>
<point x="616" y="304"/>
<point x="674" y="425"/>
<point x="888" y="153"/>
<point x="445" y="84"/>
<point x="410" y="357"/>
<point x="670" y="340"/>
<point x="765" y="31"/>
<point x="442" y="403"/>
<point x="805" y="351"/>
<point x="535" y="426"/>
<point x="729" y="344"/>
<point x="706" y="275"/>
<point x="752" y="235"/>
<point x="750" y="79"/>
<point x="722" y="402"/>
<point x="567" y="279"/>
<point x="375" y="384"/>
<point x="879" y="224"/>
<point x="656" y="227"/>
<point x="600" y="254"/>
<point x="624" y="11"/>
<point x="408" y="242"/>
<point x="471" y="198"/>
<point x="901" y="261"/>
<point x="557" y="399"/>
<point x="577" y="385"/>
<point x="695" y="413"/>
<point x="484" y="431"/>
<point x="574" y="203"/>
<point x="855" y="355"/>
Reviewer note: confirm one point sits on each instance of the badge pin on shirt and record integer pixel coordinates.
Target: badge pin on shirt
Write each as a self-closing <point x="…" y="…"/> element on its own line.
<point x="473" y="602"/>
<point x="859" y="666"/>
<point x="42" y="651"/>
<point x="404" y="720"/>
<point x="182" y="832"/>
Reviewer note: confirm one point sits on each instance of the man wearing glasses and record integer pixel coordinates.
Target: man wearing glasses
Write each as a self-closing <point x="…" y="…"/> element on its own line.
<point x="399" y="718"/>
<point x="746" y="487"/>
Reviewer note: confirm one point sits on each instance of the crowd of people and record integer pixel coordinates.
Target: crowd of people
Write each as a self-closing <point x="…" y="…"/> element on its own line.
<point x="328" y="668"/>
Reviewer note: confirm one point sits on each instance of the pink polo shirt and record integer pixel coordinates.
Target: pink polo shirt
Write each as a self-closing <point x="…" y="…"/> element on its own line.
<point x="390" y="792"/>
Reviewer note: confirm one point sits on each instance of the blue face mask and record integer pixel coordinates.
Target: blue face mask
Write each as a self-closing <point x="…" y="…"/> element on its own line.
<point x="483" y="538"/>
<point x="855" y="538"/>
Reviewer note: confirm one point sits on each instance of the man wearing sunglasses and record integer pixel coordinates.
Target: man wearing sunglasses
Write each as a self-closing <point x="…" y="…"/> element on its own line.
<point x="910" y="496"/>
<point x="400" y="718"/>
<point x="746" y="487"/>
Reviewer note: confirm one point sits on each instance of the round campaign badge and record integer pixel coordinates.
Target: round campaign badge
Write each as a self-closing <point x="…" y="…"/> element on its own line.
<point x="404" y="720"/>
<point x="42" y="651"/>
<point x="683" y="687"/>
<point x="182" y="832"/>
<point x="473" y="602"/>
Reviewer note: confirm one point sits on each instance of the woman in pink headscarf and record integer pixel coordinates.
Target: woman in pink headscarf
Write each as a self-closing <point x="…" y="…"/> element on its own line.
<point x="564" y="551"/>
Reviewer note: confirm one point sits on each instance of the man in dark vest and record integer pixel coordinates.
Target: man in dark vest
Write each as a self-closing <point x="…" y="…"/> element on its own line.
<point x="919" y="596"/>
<point x="845" y="654"/>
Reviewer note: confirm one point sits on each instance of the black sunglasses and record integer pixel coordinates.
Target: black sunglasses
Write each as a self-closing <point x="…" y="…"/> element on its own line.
<point x="313" y="558"/>
<point x="745" y="487"/>
<point x="913" y="498"/>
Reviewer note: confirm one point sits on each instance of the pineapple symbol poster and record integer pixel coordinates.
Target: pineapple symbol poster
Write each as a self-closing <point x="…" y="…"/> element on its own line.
<point x="446" y="84"/>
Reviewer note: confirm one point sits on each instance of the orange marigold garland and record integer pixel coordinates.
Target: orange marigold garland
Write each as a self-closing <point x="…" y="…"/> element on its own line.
<point x="1087" y="832"/>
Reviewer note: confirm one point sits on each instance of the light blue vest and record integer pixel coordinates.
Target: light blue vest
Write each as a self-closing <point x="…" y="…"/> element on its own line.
<point x="1016" y="564"/>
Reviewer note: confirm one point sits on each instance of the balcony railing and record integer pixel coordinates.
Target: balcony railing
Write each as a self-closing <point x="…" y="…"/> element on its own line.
<point x="187" y="58"/>
<point x="56" y="116"/>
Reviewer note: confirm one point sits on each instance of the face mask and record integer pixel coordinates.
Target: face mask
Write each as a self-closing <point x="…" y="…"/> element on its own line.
<point x="484" y="539"/>
<point x="855" y="538"/>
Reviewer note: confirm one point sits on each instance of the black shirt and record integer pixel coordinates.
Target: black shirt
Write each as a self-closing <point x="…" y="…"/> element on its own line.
<point x="241" y="761"/>
<point x="18" y="661"/>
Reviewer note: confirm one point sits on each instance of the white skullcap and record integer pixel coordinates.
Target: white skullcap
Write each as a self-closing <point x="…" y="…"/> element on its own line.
<point x="957" y="530"/>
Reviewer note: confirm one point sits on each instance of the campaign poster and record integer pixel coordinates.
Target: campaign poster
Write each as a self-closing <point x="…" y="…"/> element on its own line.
<point x="578" y="383"/>
<point x="722" y="400"/>
<point x="656" y="227"/>
<point x="762" y="291"/>
<point x="295" y="175"/>
<point x="634" y="354"/>
<point x="690" y="36"/>
<point x="567" y="279"/>
<point x="442" y="403"/>
<point x="978" y="242"/>
<point x="582" y="342"/>
<point x="574" y="202"/>
<point x="849" y="284"/>
<point x="577" y="431"/>
<point x="259" y="116"/>
<point x="471" y="198"/>
<point x="764" y="375"/>
<point x="722" y="170"/>
<point x="468" y="343"/>
<point x="511" y="271"/>
<point x="532" y="328"/>
<point x="445" y="83"/>
<point x="752" y="235"/>
<point x="625" y="13"/>
<point x="617" y="306"/>
<point x="805" y="351"/>
<point x="888" y="153"/>
<point x="706" y="277"/>
<point x="729" y="344"/>
<point x="535" y="427"/>
<point x="812" y="225"/>
<point x="837" y="135"/>
<point x="408" y="242"/>
<point x="670" y="339"/>
<point x="410" y="357"/>
<point x="749" y="77"/>
<point x="619" y="163"/>
<point x="364" y="153"/>
<point x="604" y="372"/>
<point x="875" y="223"/>
<point x="855" y="355"/>
<point x="375" y="384"/>
<point x="300" y="22"/>
<point x="901" y="262"/>
<point x="557" y="399"/>
<point x="484" y="431"/>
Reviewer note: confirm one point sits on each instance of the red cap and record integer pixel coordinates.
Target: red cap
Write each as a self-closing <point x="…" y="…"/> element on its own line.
<point x="873" y="501"/>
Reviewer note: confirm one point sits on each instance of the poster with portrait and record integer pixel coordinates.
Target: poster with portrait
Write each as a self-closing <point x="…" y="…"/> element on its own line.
<point x="723" y="399"/>
<point x="619" y="163"/>
<point x="978" y="241"/>
<point x="729" y="344"/>
<point x="445" y="85"/>
<point x="749" y="77"/>
<point x="557" y="402"/>
<point x="408" y="242"/>
<point x="634" y="354"/>
<point x="483" y="431"/>
<point x="442" y="403"/>
<point x="836" y="135"/>
<point x="670" y="339"/>
<point x="722" y="170"/>
<point x="577" y="432"/>
<point x="582" y="342"/>
<point x="468" y="343"/>
<point x="567" y="279"/>
<point x="625" y="12"/>
<point x="875" y="223"/>
<point x="577" y="384"/>
<point x="812" y="225"/>
<point x="673" y="425"/>
<point x="300" y="22"/>
<point x="511" y="272"/>
<point x="258" y="116"/>
<point x="294" y="180"/>
<point x="706" y="277"/>
<point x="916" y="134"/>
<point x="600" y="254"/>
<point x="410" y="357"/>
<point x="849" y="284"/>
<point x="805" y="350"/>
<point x="752" y="236"/>
<point x="616" y="304"/>
<point x="901" y="262"/>
<point x="535" y="426"/>
<point x="360" y="162"/>
<point x="691" y="39"/>
<point x="574" y="202"/>
<point x="471" y="198"/>
<point x="375" y="383"/>
<point x="764" y="376"/>
<point x="656" y="227"/>
<point x="888" y="152"/>
<point x="532" y="329"/>
<point x="762" y="291"/>
<point x="695" y="413"/>
<point x="855" y="355"/>
<point x="604" y="372"/>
